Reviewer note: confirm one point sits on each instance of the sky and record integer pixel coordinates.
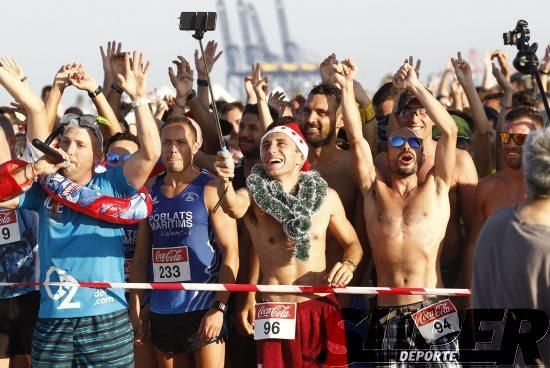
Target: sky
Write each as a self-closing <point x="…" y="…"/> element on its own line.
<point x="378" y="35"/>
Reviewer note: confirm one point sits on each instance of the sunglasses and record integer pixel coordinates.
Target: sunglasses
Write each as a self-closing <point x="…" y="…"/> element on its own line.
<point x="398" y="142"/>
<point x="84" y="121"/>
<point x="115" y="158"/>
<point x="420" y="111"/>
<point x="518" y="138"/>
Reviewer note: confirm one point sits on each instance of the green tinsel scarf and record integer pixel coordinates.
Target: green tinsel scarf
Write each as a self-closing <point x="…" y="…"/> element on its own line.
<point x="293" y="212"/>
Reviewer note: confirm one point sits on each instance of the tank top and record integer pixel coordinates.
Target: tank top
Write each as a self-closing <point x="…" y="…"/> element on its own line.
<point x="183" y="247"/>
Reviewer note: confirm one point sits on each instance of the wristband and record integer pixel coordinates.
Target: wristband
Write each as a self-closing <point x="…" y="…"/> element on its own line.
<point x="95" y="93"/>
<point x="9" y="188"/>
<point x="116" y="88"/>
<point x="202" y="82"/>
<point x="221" y="306"/>
<point x="351" y="263"/>
<point x="504" y="106"/>
<point x="24" y="78"/>
<point x="368" y="113"/>
<point x="141" y="101"/>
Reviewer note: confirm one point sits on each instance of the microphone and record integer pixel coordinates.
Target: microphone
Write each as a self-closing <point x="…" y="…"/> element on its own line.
<point x="48" y="151"/>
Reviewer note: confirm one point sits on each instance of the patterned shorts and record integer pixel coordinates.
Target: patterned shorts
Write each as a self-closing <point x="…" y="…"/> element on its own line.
<point x="392" y="331"/>
<point x="96" y="341"/>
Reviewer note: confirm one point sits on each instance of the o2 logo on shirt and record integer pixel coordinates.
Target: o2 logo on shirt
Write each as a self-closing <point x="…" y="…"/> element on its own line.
<point x="65" y="293"/>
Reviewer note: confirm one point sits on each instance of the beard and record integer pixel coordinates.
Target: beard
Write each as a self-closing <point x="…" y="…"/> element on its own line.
<point x="319" y="140"/>
<point x="250" y="150"/>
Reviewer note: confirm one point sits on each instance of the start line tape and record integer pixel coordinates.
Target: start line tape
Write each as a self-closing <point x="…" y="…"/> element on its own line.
<point x="294" y="289"/>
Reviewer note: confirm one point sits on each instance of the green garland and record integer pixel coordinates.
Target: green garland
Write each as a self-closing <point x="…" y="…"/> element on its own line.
<point x="293" y="212"/>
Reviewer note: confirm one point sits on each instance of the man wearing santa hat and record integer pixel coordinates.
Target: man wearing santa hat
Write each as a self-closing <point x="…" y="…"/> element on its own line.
<point x="287" y="210"/>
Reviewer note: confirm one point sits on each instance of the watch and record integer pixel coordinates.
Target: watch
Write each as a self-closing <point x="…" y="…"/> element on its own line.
<point x="96" y="92"/>
<point x="221" y="306"/>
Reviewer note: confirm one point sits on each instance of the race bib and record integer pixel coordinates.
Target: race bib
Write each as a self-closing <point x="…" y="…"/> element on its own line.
<point x="171" y="264"/>
<point x="437" y="320"/>
<point x="275" y="321"/>
<point x="127" y="265"/>
<point x="9" y="227"/>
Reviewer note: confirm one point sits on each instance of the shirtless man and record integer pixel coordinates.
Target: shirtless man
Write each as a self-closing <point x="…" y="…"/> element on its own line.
<point x="461" y="193"/>
<point x="321" y="119"/>
<point x="293" y="255"/>
<point x="506" y="187"/>
<point x="406" y="217"/>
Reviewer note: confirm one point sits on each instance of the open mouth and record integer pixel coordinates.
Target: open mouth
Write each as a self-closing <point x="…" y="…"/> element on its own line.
<point x="406" y="158"/>
<point x="274" y="163"/>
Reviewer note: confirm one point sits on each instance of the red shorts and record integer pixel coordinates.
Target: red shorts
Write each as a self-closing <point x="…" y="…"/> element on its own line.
<point x="320" y="338"/>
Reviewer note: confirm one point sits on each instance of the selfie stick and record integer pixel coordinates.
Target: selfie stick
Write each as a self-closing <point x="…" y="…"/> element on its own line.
<point x="198" y="35"/>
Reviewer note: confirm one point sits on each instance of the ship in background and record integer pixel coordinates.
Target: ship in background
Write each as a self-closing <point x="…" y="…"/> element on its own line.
<point x="292" y="71"/>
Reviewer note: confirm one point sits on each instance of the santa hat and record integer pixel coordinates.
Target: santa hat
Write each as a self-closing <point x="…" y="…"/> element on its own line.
<point x="294" y="132"/>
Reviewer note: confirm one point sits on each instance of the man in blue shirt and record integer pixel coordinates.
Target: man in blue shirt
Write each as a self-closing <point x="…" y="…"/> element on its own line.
<point x="80" y="326"/>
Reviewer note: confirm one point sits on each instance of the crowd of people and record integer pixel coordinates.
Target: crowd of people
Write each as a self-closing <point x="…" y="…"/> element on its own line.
<point x="415" y="186"/>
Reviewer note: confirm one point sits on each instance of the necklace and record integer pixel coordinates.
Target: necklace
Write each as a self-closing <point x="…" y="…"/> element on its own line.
<point x="293" y="212"/>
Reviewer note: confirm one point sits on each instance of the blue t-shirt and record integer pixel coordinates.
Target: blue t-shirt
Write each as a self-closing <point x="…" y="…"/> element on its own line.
<point x="76" y="247"/>
<point x="17" y="250"/>
<point x="183" y="249"/>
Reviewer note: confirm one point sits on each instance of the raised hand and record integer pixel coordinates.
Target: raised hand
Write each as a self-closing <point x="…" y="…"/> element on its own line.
<point x="113" y="48"/>
<point x="344" y="72"/>
<point x="17" y="107"/>
<point x="82" y="80"/>
<point x="502" y="59"/>
<point x="134" y="79"/>
<point x="502" y="81"/>
<point x="326" y="69"/>
<point x="260" y="84"/>
<point x="277" y="101"/>
<point x="13" y="68"/>
<point x="405" y="77"/>
<point x="210" y="56"/>
<point x="545" y="62"/>
<point x="62" y="78"/>
<point x="183" y="79"/>
<point x="462" y="69"/>
<point x="417" y="66"/>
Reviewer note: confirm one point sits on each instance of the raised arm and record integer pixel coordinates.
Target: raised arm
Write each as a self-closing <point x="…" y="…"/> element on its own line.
<point x="134" y="82"/>
<point x="545" y="68"/>
<point x="481" y="138"/>
<point x="344" y="73"/>
<point x="15" y="82"/>
<point x="60" y="82"/>
<point x="392" y="122"/>
<point x="182" y="81"/>
<point x="235" y="204"/>
<point x="445" y="153"/>
<point x="202" y="81"/>
<point x="505" y="107"/>
<point x="85" y="82"/>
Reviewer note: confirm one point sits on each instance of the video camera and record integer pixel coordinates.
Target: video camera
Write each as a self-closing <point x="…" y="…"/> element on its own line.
<point x="526" y="61"/>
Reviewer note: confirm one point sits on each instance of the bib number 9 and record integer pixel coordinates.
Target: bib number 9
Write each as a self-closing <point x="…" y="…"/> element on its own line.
<point x="6" y="233"/>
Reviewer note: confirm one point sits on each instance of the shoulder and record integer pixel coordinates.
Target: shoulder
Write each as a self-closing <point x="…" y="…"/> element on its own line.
<point x="465" y="167"/>
<point x="488" y="182"/>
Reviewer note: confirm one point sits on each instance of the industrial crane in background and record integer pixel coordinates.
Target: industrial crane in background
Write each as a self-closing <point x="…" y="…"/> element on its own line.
<point x="288" y="71"/>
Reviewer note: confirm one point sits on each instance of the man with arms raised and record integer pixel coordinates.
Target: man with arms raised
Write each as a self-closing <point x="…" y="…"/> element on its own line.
<point x="287" y="214"/>
<point x="406" y="218"/>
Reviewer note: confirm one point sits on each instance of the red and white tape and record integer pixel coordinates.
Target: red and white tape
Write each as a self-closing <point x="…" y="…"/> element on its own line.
<point x="294" y="289"/>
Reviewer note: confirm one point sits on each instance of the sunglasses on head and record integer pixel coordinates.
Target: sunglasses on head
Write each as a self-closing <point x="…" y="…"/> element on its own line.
<point x="397" y="141"/>
<point x="115" y="158"/>
<point x="84" y="121"/>
<point x="420" y="111"/>
<point x="518" y="138"/>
